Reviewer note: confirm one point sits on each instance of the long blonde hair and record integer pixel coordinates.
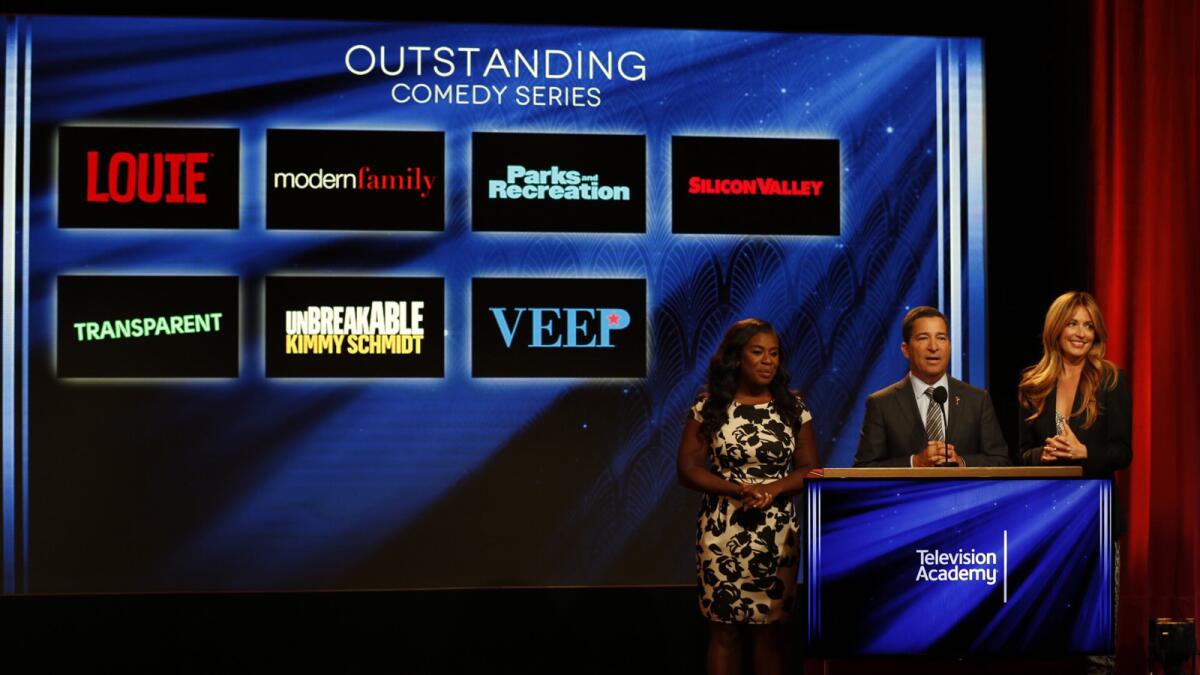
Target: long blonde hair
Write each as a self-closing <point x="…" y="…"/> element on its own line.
<point x="1039" y="380"/>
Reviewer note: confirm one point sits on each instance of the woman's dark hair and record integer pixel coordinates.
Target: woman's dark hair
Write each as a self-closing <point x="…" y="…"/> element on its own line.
<point x="724" y="370"/>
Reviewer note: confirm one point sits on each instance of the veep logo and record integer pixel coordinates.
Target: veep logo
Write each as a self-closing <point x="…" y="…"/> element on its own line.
<point x="149" y="177"/>
<point x="570" y="327"/>
<point x="576" y="327"/>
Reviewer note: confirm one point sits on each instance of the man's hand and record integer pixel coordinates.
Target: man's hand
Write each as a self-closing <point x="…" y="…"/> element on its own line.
<point x="937" y="453"/>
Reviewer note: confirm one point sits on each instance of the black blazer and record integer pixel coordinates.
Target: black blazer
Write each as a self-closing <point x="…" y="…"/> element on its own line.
<point x="892" y="431"/>
<point x="1108" y="440"/>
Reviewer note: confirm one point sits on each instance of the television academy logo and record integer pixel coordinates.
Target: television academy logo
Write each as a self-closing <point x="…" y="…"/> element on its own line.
<point x="555" y="184"/>
<point x="965" y="566"/>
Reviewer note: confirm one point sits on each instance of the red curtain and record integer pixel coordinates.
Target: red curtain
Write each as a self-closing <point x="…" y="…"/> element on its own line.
<point x="1145" y="182"/>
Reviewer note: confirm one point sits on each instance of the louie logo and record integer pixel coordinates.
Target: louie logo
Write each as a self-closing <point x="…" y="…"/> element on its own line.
<point x="148" y="177"/>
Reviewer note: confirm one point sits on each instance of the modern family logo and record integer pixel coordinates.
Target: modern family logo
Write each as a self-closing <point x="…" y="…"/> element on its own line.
<point x="332" y="179"/>
<point x="412" y="179"/>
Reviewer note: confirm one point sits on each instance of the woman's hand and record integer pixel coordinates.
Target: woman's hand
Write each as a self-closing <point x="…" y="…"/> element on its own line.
<point x="759" y="496"/>
<point x="1064" y="446"/>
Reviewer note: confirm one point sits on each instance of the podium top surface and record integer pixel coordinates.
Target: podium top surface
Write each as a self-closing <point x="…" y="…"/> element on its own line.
<point x="953" y="473"/>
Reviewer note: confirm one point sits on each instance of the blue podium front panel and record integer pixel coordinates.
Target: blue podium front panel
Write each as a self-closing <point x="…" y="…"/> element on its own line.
<point x="960" y="566"/>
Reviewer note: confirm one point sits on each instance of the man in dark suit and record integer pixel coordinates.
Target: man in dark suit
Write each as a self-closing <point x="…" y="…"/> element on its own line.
<point x="906" y="425"/>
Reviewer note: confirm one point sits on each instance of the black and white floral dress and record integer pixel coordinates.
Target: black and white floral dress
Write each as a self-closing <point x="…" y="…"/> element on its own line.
<point x="747" y="558"/>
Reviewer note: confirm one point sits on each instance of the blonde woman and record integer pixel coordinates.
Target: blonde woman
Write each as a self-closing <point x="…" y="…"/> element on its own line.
<point x="1075" y="404"/>
<point x="1076" y="410"/>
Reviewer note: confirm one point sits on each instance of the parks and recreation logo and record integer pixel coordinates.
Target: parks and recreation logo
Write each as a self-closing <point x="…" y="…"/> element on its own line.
<point x="354" y="326"/>
<point x="778" y="186"/>
<point x="555" y="184"/>
<point x="148" y="177"/>
<point x="558" y="182"/>
<point x="147" y="326"/>
<point x="355" y="180"/>
<point x="535" y="327"/>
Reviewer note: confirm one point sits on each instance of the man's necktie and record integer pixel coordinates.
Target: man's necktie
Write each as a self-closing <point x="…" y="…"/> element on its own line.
<point x="935" y="427"/>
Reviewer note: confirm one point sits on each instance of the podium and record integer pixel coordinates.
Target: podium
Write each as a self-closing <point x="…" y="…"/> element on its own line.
<point x="959" y="561"/>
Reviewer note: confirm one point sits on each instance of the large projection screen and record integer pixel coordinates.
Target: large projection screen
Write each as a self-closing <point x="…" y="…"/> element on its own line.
<point x="330" y="305"/>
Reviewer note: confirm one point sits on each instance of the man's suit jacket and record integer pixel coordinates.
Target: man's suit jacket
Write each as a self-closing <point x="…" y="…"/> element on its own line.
<point x="892" y="430"/>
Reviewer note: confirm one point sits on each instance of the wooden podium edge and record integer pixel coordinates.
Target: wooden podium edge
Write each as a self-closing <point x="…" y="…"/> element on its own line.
<point x="957" y="472"/>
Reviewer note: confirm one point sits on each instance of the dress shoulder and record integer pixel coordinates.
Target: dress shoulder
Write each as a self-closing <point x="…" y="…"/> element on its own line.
<point x="802" y="407"/>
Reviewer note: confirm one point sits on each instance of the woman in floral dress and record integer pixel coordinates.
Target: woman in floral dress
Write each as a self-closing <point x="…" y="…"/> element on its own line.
<point x="747" y="445"/>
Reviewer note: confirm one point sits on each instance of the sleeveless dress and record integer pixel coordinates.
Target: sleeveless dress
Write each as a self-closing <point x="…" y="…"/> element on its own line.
<point x="746" y="558"/>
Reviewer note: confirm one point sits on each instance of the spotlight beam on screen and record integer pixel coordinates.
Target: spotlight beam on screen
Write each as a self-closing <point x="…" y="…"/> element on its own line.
<point x="345" y="478"/>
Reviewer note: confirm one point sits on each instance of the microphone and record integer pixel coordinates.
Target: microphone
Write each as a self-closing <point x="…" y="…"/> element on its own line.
<point x="939" y="394"/>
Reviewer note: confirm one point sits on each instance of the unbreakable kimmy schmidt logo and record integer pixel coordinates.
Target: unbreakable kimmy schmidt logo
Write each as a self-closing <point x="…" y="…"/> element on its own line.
<point x="969" y="566"/>
<point x="558" y="182"/>
<point x="354" y="327"/>
<point x="355" y="180"/>
<point x="381" y="327"/>
<point x="147" y="326"/>
<point x="776" y="186"/>
<point x="148" y="177"/>
<point x="558" y="327"/>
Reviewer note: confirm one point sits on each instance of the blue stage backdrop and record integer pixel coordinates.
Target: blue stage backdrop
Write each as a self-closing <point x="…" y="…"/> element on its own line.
<point x="472" y="276"/>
